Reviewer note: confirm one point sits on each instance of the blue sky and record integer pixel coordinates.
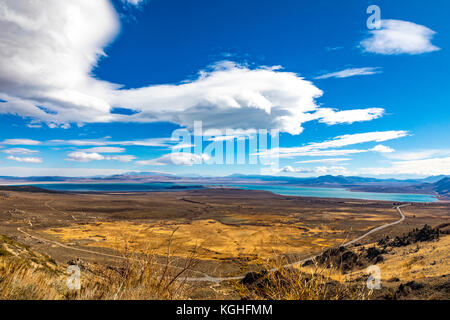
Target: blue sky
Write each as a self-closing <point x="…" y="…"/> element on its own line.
<point x="99" y="88"/>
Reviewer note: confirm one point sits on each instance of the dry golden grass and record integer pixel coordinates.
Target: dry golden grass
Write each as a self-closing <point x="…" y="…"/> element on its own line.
<point x="214" y="240"/>
<point x="139" y="277"/>
<point x="143" y="277"/>
<point x="135" y="281"/>
<point x="290" y="283"/>
<point x="145" y="280"/>
<point x="416" y="261"/>
<point x="19" y="280"/>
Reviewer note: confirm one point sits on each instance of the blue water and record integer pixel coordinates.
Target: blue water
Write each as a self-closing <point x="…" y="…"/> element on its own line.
<point x="339" y="193"/>
<point x="288" y="190"/>
<point x="114" y="187"/>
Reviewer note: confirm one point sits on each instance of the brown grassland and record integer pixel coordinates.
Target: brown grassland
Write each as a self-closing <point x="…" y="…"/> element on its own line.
<point x="148" y="245"/>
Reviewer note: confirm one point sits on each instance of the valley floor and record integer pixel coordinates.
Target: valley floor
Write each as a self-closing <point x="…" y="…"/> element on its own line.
<point x="216" y="233"/>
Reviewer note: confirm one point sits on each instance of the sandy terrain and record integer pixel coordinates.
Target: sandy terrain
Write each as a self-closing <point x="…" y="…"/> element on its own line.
<point x="228" y="229"/>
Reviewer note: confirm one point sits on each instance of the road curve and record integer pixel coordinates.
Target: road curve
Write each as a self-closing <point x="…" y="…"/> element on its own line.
<point x="63" y="212"/>
<point x="220" y="279"/>
<point x="94" y="252"/>
<point x="208" y="278"/>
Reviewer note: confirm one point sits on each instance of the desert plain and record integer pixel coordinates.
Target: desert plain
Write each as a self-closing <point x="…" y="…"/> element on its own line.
<point x="228" y="232"/>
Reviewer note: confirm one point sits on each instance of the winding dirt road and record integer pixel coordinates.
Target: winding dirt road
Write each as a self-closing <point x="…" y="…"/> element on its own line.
<point x="206" y="277"/>
<point x="398" y="208"/>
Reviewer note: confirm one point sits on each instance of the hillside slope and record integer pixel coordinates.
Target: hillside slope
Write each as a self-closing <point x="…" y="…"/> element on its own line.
<point x="442" y="187"/>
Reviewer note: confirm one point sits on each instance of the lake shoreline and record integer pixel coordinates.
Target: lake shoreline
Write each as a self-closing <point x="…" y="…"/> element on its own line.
<point x="285" y="190"/>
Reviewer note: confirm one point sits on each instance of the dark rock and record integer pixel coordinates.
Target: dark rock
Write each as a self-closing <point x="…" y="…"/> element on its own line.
<point x="417" y="235"/>
<point x="252" y="277"/>
<point x="414" y="285"/>
<point x="338" y="258"/>
<point x="379" y="259"/>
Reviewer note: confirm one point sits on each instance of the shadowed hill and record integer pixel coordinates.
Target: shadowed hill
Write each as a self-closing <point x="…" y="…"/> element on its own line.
<point x="26" y="189"/>
<point x="442" y="187"/>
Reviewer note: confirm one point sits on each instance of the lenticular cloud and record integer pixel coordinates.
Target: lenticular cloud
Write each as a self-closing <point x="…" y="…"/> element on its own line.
<point x="49" y="48"/>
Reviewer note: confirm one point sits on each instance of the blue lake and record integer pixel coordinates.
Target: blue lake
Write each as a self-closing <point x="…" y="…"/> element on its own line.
<point x="288" y="190"/>
<point x="114" y="187"/>
<point x="339" y="193"/>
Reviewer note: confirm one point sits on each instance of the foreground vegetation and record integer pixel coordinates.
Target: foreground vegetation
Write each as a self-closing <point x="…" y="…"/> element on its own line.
<point x="290" y="283"/>
<point x="27" y="275"/>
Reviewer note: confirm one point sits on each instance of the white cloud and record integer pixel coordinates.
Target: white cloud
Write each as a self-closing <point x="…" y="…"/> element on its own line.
<point x="330" y="160"/>
<point x="78" y="143"/>
<point x="351" y="72"/>
<point x="25" y="159"/>
<point x="24" y="142"/>
<point x="320" y="148"/>
<point x="235" y="97"/>
<point x="424" y="167"/>
<point x="418" y="154"/>
<point x="399" y="37"/>
<point x="54" y="125"/>
<point x="105" y="150"/>
<point x="64" y="38"/>
<point x="176" y="158"/>
<point x="82" y="156"/>
<point x="317" y="170"/>
<point x="54" y="35"/>
<point x="34" y="125"/>
<point x="331" y="116"/>
<point x="99" y="145"/>
<point x="226" y="138"/>
<point x="286" y="153"/>
<point x="331" y="170"/>
<point x="350" y="139"/>
<point x="64" y="172"/>
<point x="218" y="135"/>
<point x="154" y="142"/>
<point x="121" y="158"/>
<point x="229" y="96"/>
<point x="133" y="2"/>
<point x="20" y="151"/>
<point x="290" y="169"/>
<point x="382" y="149"/>
<point x="183" y="146"/>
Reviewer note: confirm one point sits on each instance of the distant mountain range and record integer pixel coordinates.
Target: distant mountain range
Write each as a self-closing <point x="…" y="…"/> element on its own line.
<point x="436" y="185"/>
<point x="328" y="179"/>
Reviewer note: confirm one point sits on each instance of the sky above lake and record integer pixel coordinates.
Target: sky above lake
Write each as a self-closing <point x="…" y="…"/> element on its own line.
<point x="342" y="87"/>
